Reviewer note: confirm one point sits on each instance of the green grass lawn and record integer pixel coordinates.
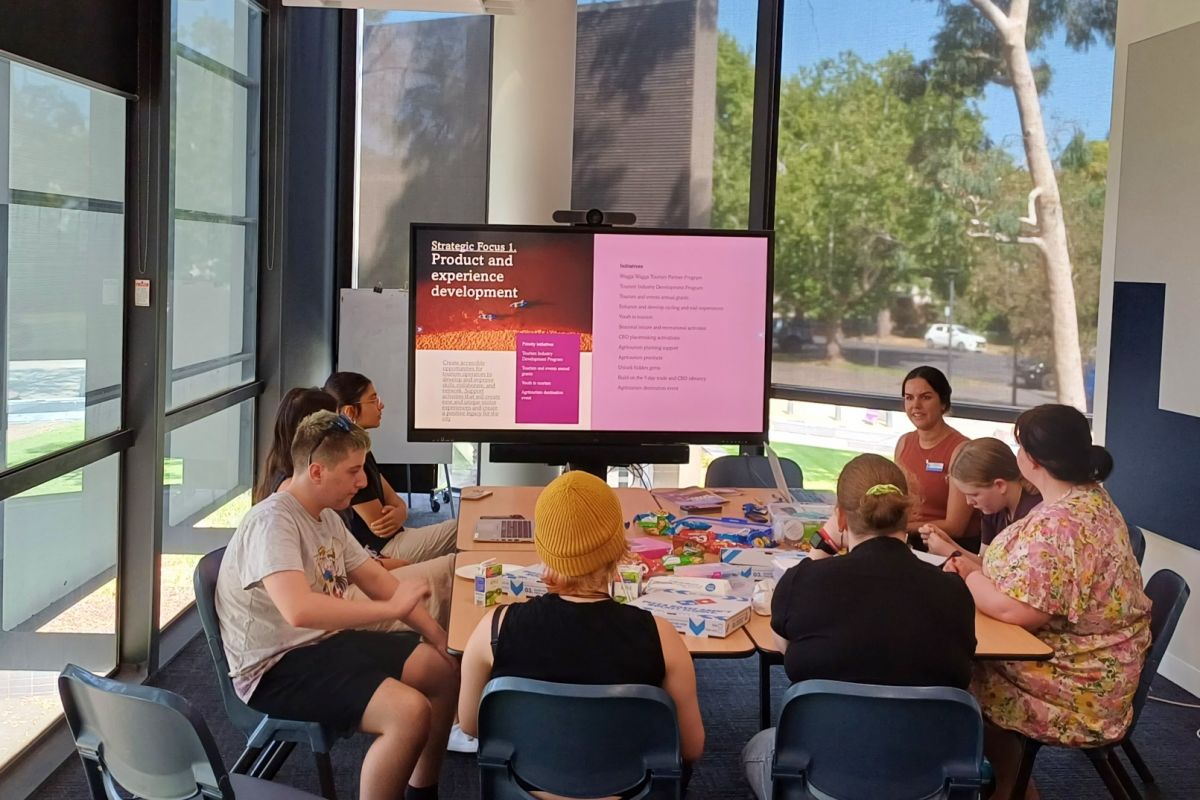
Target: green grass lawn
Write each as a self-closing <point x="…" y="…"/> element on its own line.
<point x="821" y="465"/>
<point x="68" y="434"/>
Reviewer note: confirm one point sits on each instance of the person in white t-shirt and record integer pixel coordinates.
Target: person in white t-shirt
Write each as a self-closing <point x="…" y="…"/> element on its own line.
<point x="291" y="634"/>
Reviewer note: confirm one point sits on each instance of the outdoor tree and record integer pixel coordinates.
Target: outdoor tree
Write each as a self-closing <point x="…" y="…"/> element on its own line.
<point x="989" y="41"/>
<point x="859" y="214"/>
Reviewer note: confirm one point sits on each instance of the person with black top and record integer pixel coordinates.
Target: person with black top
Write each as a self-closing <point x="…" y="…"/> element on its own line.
<point x="379" y="513"/>
<point x="296" y="404"/>
<point x="577" y="633"/>
<point x="878" y="615"/>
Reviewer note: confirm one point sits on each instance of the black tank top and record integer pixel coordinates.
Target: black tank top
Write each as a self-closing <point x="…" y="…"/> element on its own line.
<point x="551" y="639"/>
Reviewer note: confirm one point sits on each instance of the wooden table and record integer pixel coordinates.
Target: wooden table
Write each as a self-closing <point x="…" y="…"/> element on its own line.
<point x="505" y="500"/>
<point x="994" y="641"/>
<point x="465" y="615"/>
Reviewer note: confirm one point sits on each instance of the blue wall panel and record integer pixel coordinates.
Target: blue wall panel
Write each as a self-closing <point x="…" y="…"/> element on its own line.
<point x="1156" y="481"/>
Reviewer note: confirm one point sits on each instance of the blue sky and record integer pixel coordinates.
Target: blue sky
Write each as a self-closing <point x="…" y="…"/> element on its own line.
<point x="1080" y="95"/>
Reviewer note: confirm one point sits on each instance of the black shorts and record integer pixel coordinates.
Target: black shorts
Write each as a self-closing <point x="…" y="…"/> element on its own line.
<point x="332" y="681"/>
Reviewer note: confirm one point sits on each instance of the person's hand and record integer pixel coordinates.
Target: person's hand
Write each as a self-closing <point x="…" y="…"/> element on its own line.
<point x="388" y="522"/>
<point x="407" y="595"/>
<point x="960" y="566"/>
<point x="936" y="540"/>
<point x="816" y="554"/>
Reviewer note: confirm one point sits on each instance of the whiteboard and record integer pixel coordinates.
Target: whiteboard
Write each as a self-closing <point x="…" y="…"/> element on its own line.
<point x="373" y="340"/>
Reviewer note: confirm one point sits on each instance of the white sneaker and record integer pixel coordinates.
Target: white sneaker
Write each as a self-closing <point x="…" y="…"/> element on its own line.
<point x="461" y="742"/>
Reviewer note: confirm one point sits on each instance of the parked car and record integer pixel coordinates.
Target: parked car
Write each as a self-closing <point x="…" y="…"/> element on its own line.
<point x="957" y="336"/>
<point x="1035" y="373"/>
<point x="791" y="335"/>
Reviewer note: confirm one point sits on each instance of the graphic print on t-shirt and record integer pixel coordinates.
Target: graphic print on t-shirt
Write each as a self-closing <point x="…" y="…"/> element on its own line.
<point x="330" y="572"/>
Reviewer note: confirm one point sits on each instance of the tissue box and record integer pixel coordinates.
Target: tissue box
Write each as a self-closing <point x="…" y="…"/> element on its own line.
<point x="524" y="582"/>
<point x="760" y="561"/>
<point x="788" y="520"/>
<point x="697" y="614"/>
<point x="488" y="580"/>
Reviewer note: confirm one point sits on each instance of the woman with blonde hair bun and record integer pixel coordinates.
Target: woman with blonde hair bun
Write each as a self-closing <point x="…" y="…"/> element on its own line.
<point x="877" y="615"/>
<point x="985" y="471"/>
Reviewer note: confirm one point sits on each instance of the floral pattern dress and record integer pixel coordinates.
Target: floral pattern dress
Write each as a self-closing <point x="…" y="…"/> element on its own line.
<point x="1071" y="559"/>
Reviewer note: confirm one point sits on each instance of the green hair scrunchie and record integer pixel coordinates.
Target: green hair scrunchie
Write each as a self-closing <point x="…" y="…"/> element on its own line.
<point x="884" y="488"/>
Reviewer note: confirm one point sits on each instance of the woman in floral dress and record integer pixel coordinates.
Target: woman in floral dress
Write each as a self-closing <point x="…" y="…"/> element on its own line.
<point x="1067" y="573"/>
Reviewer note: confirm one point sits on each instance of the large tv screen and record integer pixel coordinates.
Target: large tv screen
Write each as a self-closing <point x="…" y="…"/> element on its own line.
<point x="585" y="334"/>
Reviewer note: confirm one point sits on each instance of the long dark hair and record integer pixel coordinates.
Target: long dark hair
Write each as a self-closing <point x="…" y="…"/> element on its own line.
<point x="1059" y="438"/>
<point x="347" y="388"/>
<point x="936" y="380"/>
<point x="297" y="404"/>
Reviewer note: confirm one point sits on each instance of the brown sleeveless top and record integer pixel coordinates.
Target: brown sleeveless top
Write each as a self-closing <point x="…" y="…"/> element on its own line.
<point x="928" y="474"/>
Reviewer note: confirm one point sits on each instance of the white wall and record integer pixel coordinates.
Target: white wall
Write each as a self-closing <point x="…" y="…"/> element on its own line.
<point x="1137" y="22"/>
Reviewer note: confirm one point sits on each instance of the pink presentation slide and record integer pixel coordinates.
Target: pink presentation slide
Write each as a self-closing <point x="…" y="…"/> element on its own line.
<point x="547" y="378"/>
<point x="678" y="333"/>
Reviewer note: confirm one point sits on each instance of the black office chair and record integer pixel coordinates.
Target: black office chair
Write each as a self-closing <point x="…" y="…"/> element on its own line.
<point x="579" y="741"/>
<point x="269" y="741"/>
<point x="1137" y="541"/>
<point x="150" y="742"/>
<point x="1168" y="591"/>
<point x="748" y="472"/>
<point x="847" y="740"/>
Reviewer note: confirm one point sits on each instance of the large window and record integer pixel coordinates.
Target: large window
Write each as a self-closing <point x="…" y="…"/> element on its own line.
<point x="904" y="230"/>
<point x="62" y="251"/>
<point x="217" y="90"/>
<point x="217" y="68"/>
<point x="425" y="90"/>
<point x="664" y="100"/>
<point x="62" y="193"/>
<point x="207" y="476"/>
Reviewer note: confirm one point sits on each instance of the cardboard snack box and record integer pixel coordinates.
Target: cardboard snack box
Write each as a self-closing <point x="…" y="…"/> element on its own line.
<point x="697" y="614"/>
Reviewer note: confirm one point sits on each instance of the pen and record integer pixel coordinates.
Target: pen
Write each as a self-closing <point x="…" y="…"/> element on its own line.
<point x="953" y="555"/>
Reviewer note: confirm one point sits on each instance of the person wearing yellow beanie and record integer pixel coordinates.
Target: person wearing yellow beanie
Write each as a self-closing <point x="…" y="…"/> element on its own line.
<point x="578" y="529"/>
<point x="576" y="633"/>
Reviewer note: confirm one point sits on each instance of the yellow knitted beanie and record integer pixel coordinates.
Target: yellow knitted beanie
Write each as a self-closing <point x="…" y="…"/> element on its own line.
<point x="578" y="525"/>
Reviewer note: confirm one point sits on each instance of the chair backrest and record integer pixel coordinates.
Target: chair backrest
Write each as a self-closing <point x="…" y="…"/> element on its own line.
<point x="148" y="741"/>
<point x="1169" y="592"/>
<point x="1137" y="541"/>
<point x="581" y="741"/>
<point x="850" y="740"/>
<point x="751" y="472"/>
<point x="204" y="581"/>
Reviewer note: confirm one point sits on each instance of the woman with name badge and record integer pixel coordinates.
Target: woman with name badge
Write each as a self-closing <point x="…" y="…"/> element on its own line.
<point x="1067" y="573"/>
<point x="925" y="455"/>
<point x="986" y="472"/>
<point x="577" y="633"/>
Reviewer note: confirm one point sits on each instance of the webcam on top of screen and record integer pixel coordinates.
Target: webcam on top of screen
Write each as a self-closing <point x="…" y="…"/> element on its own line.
<point x="594" y="217"/>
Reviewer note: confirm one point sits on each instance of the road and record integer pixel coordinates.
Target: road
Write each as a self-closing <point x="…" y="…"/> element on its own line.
<point x="976" y="377"/>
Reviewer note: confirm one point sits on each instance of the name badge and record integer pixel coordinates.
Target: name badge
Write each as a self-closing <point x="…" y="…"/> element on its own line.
<point x="934" y="466"/>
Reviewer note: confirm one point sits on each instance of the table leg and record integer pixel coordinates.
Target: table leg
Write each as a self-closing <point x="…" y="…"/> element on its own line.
<point x="764" y="692"/>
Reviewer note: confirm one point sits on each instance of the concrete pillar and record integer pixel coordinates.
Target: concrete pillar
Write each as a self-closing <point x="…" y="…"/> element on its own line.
<point x="533" y="121"/>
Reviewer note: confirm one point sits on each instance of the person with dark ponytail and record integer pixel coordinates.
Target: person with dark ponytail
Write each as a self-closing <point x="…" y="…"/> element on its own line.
<point x="296" y="404"/>
<point x="378" y="517"/>
<point x="1067" y="573"/>
<point x="878" y="615"/>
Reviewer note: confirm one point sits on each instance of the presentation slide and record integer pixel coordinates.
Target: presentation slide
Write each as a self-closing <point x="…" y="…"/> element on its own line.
<point x="577" y="330"/>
